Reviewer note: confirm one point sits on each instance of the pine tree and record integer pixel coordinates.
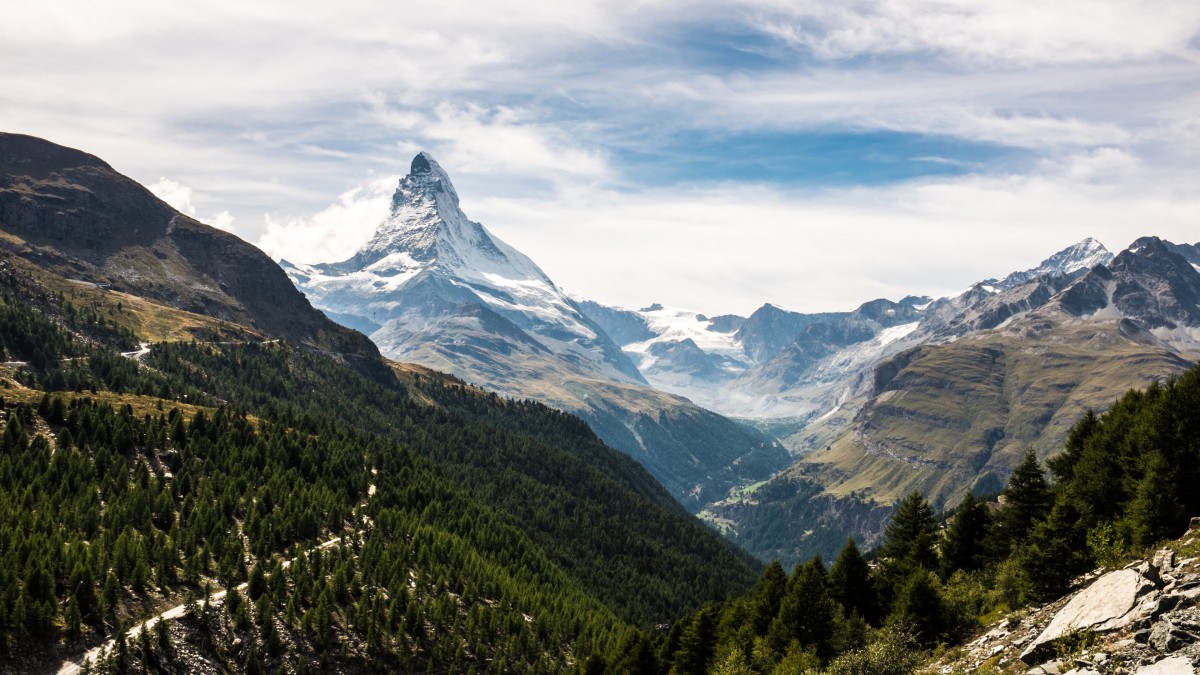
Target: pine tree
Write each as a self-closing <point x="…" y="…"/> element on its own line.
<point x="1054" y="551"/>
<point x="258" y="582"/>
<point x="806" y="613"/>
<point x="851" y="585"/>
<point x="1155" y="508"/>
<point x="963" y="547"/>
<point x="1027" y="499"/>
<point x="1063" y="464"/>
<point x="768" y="593"/>
<point x="636" y="657"/>
<point x="696" y="644"/>
<point x="918" y="604"/>
<point x="733" y="663"/>
<point x="908" y="539"/>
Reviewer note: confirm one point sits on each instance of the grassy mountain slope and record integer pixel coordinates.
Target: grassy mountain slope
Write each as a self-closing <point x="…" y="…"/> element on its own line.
<point x="959" y="416"/>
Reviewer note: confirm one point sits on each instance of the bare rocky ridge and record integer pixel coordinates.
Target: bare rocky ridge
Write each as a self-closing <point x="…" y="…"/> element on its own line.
<point x="1143" y="619"/>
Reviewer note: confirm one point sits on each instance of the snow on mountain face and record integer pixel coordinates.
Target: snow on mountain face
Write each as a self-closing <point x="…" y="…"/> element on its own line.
<point x="1082" y="256"/>
<point x="669" y="324"/>
<point x="427" y="258"/>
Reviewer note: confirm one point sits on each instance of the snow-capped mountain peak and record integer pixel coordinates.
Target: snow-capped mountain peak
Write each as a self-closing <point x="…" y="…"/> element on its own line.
<point x="1081" y="256"/>
<point x="426" y="228"/>
<point x="427" y="260"/>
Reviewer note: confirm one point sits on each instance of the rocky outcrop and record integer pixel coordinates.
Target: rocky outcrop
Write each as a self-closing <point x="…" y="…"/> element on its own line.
<point x="1109" y="603"/>
<point x="1143" y="619"/>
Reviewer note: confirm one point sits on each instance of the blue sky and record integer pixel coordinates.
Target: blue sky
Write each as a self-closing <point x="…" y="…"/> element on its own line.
<point x="710" y="155"/>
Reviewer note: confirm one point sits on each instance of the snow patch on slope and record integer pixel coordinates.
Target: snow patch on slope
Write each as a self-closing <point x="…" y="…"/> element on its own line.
<point x="890" y="335"/>
<point x="674" y="325"/>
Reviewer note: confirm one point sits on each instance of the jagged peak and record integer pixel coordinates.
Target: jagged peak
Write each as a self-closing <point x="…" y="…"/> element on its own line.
<point x="1145" y="243"/>
<point x="768" y="308"/>
<point x="1082" y="255"/>
<point x="1086" y="250"/>
<point x="426" y="229"/>
<point x="422" y="164"/>
<point x="425" y="214"/>
<point x="425" y="178"/>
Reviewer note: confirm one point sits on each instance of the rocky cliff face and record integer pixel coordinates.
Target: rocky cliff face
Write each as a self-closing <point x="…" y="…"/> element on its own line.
<point x="1143" y="619"/>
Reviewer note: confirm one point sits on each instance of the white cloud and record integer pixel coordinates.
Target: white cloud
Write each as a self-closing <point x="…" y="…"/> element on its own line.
<point x="731" y="248"/>
<point x="1015" y="31"/>
<point x="274" y="108"/>
<point x="500" y="140"/>
<point x="222" y="221"/>
<point x="334" y="233"/>
<point x="177" y="195"/>
<point x="1042" y="110"/>
<point x="1103" y="164"/>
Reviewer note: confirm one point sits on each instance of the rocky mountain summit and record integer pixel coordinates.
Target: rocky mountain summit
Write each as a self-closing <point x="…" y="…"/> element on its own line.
<point x="1142" y="619"/>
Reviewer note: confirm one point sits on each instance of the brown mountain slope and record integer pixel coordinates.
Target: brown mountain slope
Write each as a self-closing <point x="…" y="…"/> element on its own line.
<point x="71" y="213"/>
<point x="945" y="419"/>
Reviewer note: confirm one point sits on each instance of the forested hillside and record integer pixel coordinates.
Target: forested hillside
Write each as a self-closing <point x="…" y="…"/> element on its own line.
<point x="388" y="519"/>
<point x="1125" y="481"/>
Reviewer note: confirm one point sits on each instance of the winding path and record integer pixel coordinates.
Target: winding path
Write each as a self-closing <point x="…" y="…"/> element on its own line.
<point x="74" y="666"/>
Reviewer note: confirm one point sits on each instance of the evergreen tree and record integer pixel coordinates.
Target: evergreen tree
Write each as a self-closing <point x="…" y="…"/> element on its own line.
<point x="909" y="538"/>
<point x="257" y="585"/>
<point x="635" y="656"/>
<point x="696" y="645"/>
<point x="1027" y="499"/>
<point x="1063" y="465"/>
<point x="963" y="547"/>
<point x="732" y="663"/>
<point x="1156" y="508"/>
<point x="851" y="585"/>
<point x="806" y="613"/>
<point x="768" y="594"/>
<point x="918" y="603"/>
<point x="1054" y="552"/>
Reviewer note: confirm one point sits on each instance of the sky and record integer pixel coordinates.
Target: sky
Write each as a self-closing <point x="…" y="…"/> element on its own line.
<point x="707" y="155"/>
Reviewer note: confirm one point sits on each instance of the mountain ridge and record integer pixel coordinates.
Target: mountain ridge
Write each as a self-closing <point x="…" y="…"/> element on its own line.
<point x="70" y="210"/>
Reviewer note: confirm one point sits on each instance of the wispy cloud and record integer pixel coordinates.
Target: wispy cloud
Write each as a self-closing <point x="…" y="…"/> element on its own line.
<point x="1018" y="32"/>
<point x="731" y="248"/>
<point x="583" y="124"/>
<point x="498" y="140"/>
